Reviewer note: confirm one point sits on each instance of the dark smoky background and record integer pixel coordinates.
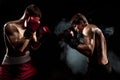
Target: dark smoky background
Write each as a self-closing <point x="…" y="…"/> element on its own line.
<point x="55" y="61"/>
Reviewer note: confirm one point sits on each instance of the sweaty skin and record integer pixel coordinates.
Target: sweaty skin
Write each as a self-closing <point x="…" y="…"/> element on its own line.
<point x="94" y="46"/>
<point x="17" y="44"/>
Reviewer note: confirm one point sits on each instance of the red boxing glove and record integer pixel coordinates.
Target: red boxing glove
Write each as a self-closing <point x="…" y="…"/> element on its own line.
<point x="45" y="29"/>
<point x="44" y="33"/>
<point x="33" y="24"/>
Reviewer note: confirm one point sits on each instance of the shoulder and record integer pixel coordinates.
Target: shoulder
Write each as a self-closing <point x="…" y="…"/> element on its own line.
<point x="91" y="29"/>
<point x="9" y="24"/>
<point x="88" y="29"/>
<point x="10" y="27"/>
<point x="96" y="30"/>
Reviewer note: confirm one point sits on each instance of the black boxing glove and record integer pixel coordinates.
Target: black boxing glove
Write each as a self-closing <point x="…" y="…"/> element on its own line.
<point x="69" y="37"/>
<point x="74" y="42"/>
<point x="32" y="25"/>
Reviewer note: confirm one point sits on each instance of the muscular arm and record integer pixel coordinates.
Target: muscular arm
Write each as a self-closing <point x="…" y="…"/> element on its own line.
<point x="35" y="43"/>
<point x="101" y="47"/>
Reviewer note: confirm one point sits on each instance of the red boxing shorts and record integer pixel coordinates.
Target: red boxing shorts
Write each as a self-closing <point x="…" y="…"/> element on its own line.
<point x="24" y="71"/>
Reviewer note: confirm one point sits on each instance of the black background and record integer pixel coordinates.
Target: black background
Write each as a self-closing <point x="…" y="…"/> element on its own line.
<point x="99" y="12"/>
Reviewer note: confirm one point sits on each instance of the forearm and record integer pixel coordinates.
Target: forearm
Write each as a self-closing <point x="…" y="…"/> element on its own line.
<point x="24" y="45"/>
<point x="35" y="42"/>
<point x="84" y="49"/>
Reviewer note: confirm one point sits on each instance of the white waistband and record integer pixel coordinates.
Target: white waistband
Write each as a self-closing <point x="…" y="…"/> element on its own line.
<point x="16" y="60"/>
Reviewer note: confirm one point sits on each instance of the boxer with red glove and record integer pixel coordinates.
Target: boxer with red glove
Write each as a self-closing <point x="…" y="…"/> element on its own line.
<point x="32" y="25"/>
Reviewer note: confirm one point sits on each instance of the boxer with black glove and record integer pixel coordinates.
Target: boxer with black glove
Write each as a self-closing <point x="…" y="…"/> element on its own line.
<point x="72" y="37"/>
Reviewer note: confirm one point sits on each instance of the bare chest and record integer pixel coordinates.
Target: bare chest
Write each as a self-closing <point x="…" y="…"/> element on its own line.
<point x="20" y="33"/>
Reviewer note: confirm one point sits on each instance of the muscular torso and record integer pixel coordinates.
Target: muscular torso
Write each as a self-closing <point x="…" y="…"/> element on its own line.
<point x="95" y="40"/>
<point x="14" y="37"/>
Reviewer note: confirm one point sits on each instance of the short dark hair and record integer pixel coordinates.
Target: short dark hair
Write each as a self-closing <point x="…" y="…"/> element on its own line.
<point x="77" y="18"/>
<point x="33" y="10"/>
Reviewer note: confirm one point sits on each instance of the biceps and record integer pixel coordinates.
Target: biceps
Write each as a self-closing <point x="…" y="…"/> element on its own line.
<point x="13" y="39"/>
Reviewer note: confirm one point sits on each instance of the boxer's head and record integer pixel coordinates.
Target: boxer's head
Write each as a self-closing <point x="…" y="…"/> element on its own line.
<point x="77" y="18"/>
<point x="32" y="14"/>
<point x="79" y="21"/>
<point x="32" y="11"/>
